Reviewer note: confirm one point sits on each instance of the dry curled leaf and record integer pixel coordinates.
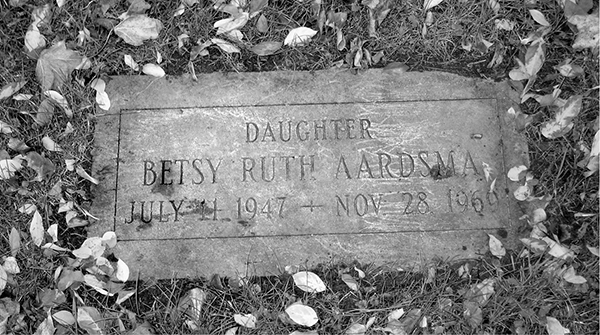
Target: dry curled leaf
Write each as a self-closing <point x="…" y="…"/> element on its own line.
<point x="299" y="36"/>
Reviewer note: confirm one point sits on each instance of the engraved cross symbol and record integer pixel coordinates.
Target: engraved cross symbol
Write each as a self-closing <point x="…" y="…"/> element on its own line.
<point x="312" y="206"/>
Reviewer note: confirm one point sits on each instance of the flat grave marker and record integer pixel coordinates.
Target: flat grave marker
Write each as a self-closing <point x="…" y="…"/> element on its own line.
<point x="247" y="173"/>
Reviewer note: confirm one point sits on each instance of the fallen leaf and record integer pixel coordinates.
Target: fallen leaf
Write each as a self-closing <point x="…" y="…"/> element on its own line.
<point x="309" y="282"/>
<point x="534" y="244"/>
<point x="231" y="331"/>
<point x="98" y="285"/>
<point x="83" y="174"/>
<point x="569" y="70"/>
<point x="83" y="36"/>
<point x="494" y="5"/>
<point x="535" y="57"/>
<point x="9" y="89"/>
<point x="68" y="278"/>
<point x="429" y="4"/>
<point x="28" y="208"/>
<point x="61" y="101"/>
<point x="53" y="232"/>
<point x="137" y="28"/>
<point x="546" y="100"/>
<point x="41" y="165"/>
<point x="262" y="25"/>
<point x="245" y="320"/>
<point x="92" y="246"/>
<point x="593" y="250"/>
<point x="496" y="247"/>
<point x="480" y="293"/>
<point x="231" y="23"/>
<point x="523" y="192"/>
<point x="153" y="70"/>
<point x="55" y="64"/>
<point x="472" y="314"/>
<point x="70" y="164"/>
<point x="5" y="128"/>
<point x="504" y="24"/>
<point x="45" y="112"/>
<point x="180" y="10"/>
<point x="124" y="295"/>
<point x="89" y="319"/>
<point x="22" y="97"/>
<point x="65" y="318"/>
<point x="539" y="17"/>
<point x="350" y="281"/>
<point x="14" y="240"/>
<point x="131" y="63"/>
<point x="553" y="326"/>
<point x="10" y="265"/>
<point x="190" y="305"/>
<point x="570" y="276"/>
<point x="256" y="6"/>
<point x="181" y="40"/>
<point x="42" y="15"/>
<point x="50" y="145"/>
<point x="396" y="314"/>
<point x="299" y="36"/>
<point x="109" y="239"/>
<point x="588" y="35"/>
<point x="558" y="250"/>
<point x="34" y="41"/>
<point x="8" y="167"/>
<point x="225" y="46"/>
<point x="18" y="145"/>
<point x="266" y="48"/>
<point x="517" y="173"/>
<point x="356" y="329"/>
<point x="46" y="327"/>
<point x="122" y="271"/>
<point x="36" y="229"/>
<point x="302" y="315"/>
<point x="101" y="96"/>
<point x="563" y="120"/>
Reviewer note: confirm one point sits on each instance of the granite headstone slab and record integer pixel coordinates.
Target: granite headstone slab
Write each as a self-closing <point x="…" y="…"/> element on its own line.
<point x="247" y="173"/>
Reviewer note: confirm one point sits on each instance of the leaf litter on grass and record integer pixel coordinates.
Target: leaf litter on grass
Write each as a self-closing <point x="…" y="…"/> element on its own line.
<point x="430" y="40"/>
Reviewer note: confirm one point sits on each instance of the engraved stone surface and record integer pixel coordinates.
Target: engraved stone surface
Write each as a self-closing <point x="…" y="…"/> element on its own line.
<point x="247" y="173"/>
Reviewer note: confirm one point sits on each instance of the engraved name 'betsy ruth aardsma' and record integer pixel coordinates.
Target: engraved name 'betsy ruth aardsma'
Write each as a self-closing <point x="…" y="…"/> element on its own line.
<point x="392" y="165"/>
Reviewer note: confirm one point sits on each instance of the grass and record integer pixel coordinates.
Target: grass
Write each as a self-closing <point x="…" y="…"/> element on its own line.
<point x="526" y="288"/>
